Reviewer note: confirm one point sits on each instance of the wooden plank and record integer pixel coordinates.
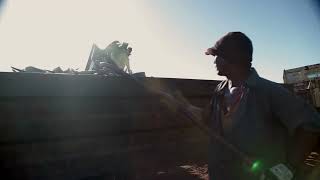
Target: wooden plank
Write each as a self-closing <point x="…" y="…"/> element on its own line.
<point x="29" y="119"/>
<point x="98" y="165"/>
<point x="34" y="84"/>
<point x="76" y="104"/>
<point x="78" y="159"/>
<point x="50" y="151"/>
<point x="25" y="130"/>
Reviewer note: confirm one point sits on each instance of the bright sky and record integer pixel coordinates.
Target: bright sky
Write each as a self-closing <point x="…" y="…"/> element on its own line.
<point x="168" y="37"/>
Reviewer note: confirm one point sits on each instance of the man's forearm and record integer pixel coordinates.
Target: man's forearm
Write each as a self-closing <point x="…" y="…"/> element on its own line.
<point x="301" y="146"/>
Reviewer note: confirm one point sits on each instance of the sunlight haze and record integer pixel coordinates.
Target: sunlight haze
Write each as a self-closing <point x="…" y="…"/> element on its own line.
<point x="168" y="37"/>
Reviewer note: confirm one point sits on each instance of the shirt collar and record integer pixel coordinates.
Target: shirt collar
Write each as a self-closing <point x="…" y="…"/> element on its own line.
<point x="250" y="82"/>
<point x="252" y="79"/>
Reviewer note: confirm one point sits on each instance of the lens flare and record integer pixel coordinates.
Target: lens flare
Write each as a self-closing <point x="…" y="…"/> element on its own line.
<point x="256" y="166"/>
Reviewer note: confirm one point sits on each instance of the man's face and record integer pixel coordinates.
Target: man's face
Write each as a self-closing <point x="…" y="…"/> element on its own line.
<point x="223" y="67"/>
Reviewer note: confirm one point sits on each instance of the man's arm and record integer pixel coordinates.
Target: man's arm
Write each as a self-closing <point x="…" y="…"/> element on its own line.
<point x="302" y="122"/>
<point x="301" y="146"/>
<point x="128" y="67"/>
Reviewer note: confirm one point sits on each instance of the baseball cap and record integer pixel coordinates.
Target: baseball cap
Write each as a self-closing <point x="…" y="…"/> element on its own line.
<point x="234" y="47"/>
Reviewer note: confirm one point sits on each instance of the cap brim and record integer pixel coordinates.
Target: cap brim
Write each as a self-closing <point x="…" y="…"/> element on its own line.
<point x="211" y="51"/>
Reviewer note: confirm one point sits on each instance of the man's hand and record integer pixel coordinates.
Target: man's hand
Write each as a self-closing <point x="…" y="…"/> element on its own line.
<point x="277" y="172"/>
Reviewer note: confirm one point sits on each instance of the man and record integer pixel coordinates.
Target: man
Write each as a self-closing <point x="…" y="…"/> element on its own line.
<point x="120" y="55"/>
<point x="259" y="117"/>
<point x="250" y="117"/>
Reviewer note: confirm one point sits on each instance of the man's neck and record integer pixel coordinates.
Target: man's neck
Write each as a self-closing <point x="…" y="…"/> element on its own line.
<point x="237" y="78"/>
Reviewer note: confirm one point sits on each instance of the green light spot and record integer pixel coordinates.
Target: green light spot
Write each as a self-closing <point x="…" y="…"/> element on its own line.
<point x="255" y="166"/>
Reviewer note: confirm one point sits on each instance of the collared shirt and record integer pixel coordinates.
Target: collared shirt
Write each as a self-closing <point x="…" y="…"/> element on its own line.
<point x="230" y="104"/>
<point x="264" y="121"/>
